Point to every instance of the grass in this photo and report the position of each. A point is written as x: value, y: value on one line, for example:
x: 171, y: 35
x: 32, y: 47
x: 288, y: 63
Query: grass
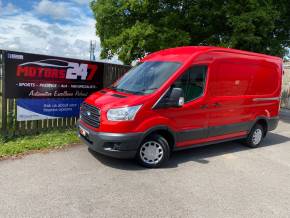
x: 26, y: 144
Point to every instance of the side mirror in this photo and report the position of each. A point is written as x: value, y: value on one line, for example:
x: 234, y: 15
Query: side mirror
x: 173, y: 98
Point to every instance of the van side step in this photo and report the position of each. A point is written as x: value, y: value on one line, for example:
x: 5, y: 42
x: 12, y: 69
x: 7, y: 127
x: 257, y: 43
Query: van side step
x: 208, y: 143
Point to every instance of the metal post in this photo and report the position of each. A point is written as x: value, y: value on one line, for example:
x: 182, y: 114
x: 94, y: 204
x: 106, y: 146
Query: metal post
x: 4, y: 102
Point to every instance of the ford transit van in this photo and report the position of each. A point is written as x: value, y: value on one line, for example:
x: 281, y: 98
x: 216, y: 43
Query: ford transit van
x: 182, y: 98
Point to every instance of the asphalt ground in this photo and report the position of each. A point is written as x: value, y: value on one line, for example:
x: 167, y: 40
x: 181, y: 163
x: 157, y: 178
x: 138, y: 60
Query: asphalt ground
x: 222, y: 180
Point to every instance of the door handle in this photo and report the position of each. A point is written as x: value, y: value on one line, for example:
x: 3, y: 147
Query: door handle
x: 216, y: 104
x: 204, y: 106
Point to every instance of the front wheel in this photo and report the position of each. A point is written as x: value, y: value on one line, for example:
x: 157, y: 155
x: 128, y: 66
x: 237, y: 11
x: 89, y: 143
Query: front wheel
x: 153, y: 151
x: 255, y: 137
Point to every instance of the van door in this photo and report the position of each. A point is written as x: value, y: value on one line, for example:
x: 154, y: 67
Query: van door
x: 229, y: 105
x: 191, y: 120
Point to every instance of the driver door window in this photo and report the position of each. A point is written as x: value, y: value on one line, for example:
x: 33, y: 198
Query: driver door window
x: 192, y: 82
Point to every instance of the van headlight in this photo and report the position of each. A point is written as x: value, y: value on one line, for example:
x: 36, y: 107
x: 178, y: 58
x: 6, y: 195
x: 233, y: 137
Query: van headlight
x: 124, y: 113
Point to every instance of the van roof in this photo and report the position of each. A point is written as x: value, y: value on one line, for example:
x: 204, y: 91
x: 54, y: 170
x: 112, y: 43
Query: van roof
x: 181, y: 54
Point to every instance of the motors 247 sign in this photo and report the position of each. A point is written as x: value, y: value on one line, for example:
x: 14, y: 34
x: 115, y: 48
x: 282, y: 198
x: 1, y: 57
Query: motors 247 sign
x: 39, y: 76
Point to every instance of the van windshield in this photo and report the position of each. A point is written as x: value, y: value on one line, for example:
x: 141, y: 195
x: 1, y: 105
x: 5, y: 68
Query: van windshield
x: 146, y: 77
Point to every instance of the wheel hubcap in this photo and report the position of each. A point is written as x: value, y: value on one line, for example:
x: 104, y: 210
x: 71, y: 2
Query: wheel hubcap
x: 257, y: 136
x: 151, y: 152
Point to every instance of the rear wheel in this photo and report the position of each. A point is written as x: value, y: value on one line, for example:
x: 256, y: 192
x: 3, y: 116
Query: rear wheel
x: 256, y: 136
x: 153, y: 152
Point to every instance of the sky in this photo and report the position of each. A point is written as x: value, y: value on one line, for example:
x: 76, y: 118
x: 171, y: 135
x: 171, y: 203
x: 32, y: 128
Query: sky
x: 51, y: 27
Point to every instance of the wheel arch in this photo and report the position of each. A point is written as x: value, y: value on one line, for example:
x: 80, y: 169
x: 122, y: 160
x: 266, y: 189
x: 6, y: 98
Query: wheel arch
x: 164, y: 131
x: 263, y: 121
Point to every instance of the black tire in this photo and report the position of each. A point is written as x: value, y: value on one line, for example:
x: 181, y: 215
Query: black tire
x: 250, y: 141
x: 162, y: 144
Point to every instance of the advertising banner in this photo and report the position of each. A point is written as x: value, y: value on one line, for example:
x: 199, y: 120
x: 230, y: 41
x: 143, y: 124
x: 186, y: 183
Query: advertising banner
x: 40, y: 109
x: 40, y: 76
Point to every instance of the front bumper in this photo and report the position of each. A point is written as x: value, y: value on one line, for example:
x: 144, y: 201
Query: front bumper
x: 111, y: 144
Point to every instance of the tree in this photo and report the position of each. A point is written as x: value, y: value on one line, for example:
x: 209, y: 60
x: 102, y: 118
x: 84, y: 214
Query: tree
x: 133, y: 28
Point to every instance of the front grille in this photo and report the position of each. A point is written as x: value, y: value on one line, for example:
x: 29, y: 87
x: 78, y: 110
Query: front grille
x: 90, y: 115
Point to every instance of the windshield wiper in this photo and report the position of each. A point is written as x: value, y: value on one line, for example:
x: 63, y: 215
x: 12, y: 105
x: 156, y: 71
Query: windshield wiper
x: 139, y: 92
x: 142, y: 91
x: 120, y: 90
x: 123, y: 90
x: 151, y: 89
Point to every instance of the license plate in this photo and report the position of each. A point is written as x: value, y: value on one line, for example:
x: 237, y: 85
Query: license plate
x: 84, y: 132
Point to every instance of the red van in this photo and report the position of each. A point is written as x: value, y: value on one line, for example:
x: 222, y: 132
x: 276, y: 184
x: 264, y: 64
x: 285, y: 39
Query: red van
x: 183, y: 98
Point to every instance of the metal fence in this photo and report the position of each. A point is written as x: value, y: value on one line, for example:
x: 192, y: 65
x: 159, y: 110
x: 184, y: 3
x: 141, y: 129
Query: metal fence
x: 8, y: 108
